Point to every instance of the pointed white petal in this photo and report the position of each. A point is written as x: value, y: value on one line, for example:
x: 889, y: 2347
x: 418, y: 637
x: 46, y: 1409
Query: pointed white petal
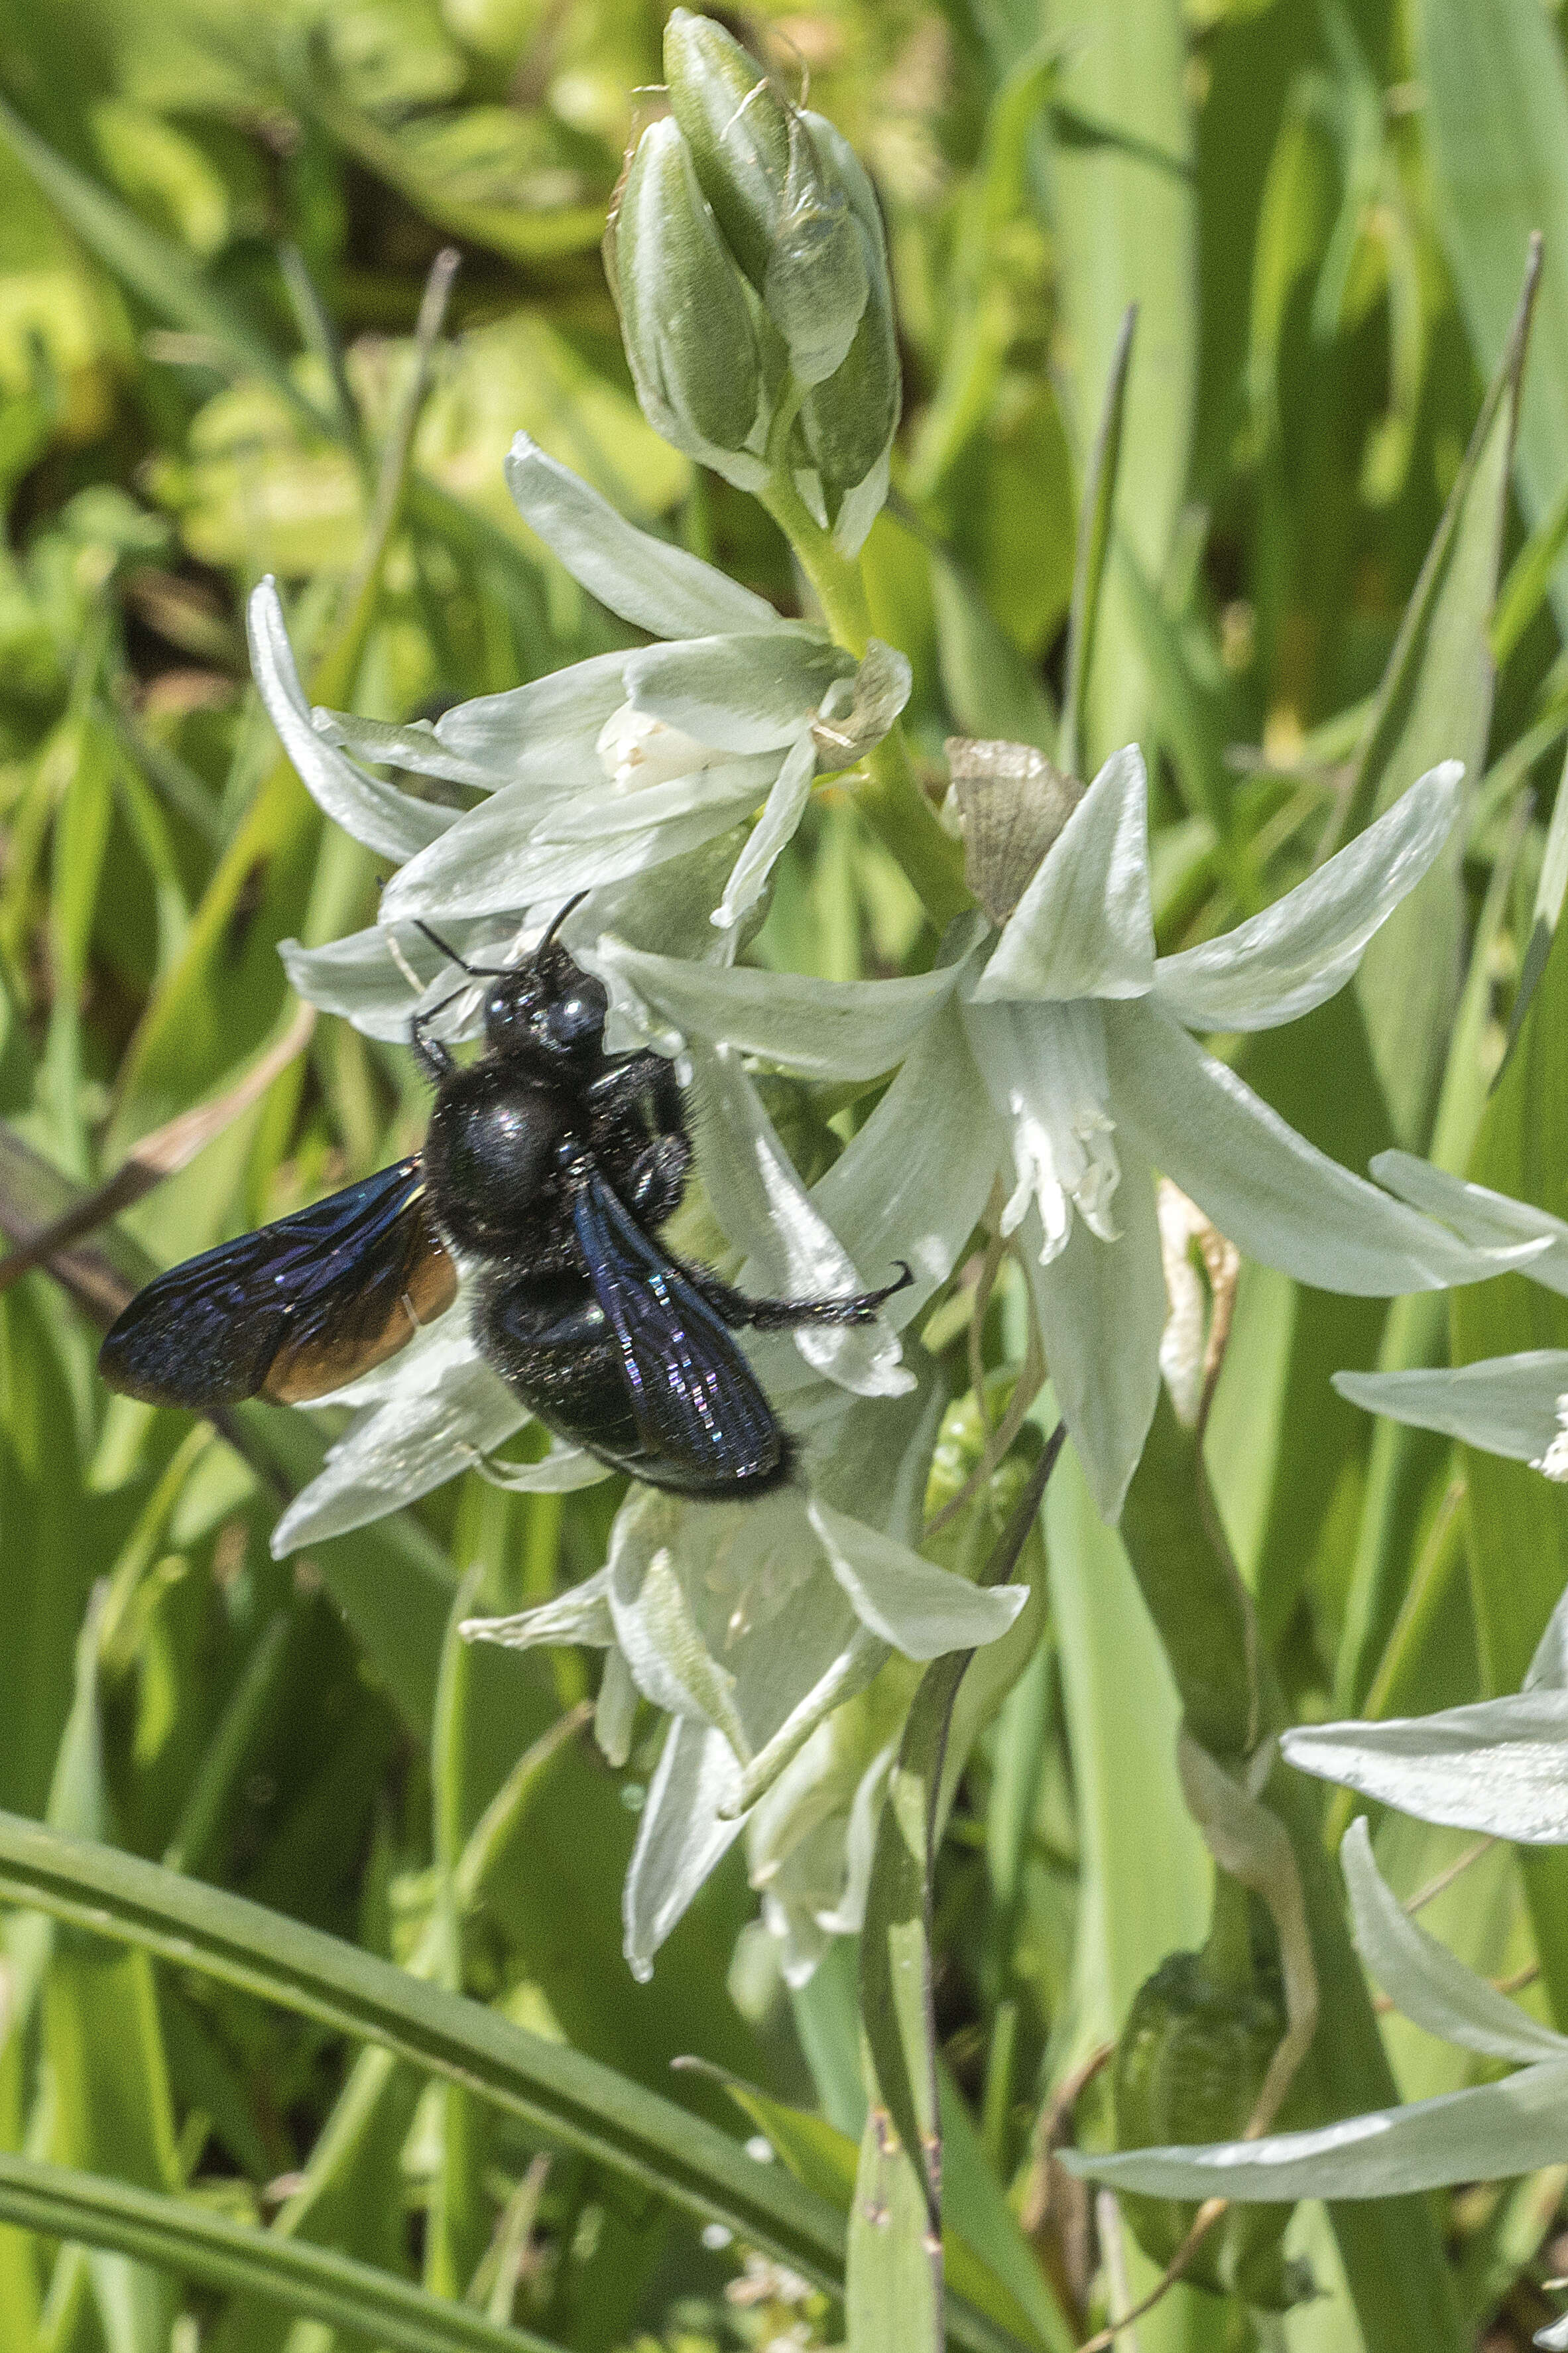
x: 1489, y: 2134
x: 1101, y: 1307
x: 1267, y: 1188
x: 919, y: 1609
x: 1085, y: 926
x: 728, y: 789
x: 491, y: 861
x: 848, y: 1916
x: 656, y: 586
x: 359, y: 977
x: 401, y: 1450
x: 544, y: 734
x: 1422, y: 1977
x: 792, y: 1251
x: 1279, y: 965
x: 786, y: 807
x: 385, y: 821
x: 415, y: 747
x: 848, y: 1673
x: 681, y: 1838
x: 1499, y: 1765
x: 1515, y: 1406
x: 1488, y: 1221
x: 742, y: 693
x: 914, y: 1181
x: 1549, y: 1668
x: 820, y: 1029
x: 581, y: 1614
x: 1044, y: 1067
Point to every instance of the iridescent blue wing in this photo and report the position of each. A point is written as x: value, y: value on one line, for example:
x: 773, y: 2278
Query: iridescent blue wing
x: 293, y: 1310
x: 696, y: 1400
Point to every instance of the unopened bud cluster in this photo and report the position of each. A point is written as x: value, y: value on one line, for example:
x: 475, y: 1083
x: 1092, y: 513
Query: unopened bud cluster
x: 749, y: 267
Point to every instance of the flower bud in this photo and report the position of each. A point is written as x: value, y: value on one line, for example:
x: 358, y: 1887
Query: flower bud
x: 776, y: 190
x: 844, y: 438
x: 687, y: 319
x: 1189, y: 2067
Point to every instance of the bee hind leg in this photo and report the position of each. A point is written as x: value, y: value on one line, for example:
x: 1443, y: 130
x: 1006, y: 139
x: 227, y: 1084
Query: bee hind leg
x: 737, y: 1308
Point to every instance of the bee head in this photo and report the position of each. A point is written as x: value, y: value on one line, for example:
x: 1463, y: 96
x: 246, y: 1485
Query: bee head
x: 547, y: 1008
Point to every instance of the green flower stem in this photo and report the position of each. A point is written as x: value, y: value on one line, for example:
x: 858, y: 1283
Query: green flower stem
x: 1391, y: 2248
x: 888, y: 791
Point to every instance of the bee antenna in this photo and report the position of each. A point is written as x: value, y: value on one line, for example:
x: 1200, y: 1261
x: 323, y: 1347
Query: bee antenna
x: 475, y: 970
x: 569, y: 909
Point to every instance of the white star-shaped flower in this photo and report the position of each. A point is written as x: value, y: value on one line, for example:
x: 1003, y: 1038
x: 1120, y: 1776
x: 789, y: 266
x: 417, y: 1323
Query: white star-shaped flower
x: 1057, y: 1053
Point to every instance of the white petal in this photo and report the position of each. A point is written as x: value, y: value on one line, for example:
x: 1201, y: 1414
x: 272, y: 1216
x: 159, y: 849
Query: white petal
x: 387, y: 821
x: 359, y: 977
x: 1488, y: 1221
x: 1085, y: 926
x: 1548, y: 1670
x: 819, y: 1028
x: 581, y: 1614
x: 1267, y: 1188
x: 792, y: 1251
x: 1101, y: 1307
x: 1513, y: 1406
x: 919, y: 1609
x: 1279, y: 965
x: 491, y: 861
x: 1044, y: 1067
x: 1499, y: 1765
x: 542, y: 734
x: 681, y: 1838
x: 635, y: 749
x: 1424, y: 1980
x: 913, y: 1182
x: 726, y: 790
x: 742, y: 693
x: 415, y: 747
x: 848, y: 1915
x: 1489, y: 2134
x: 656, y: 586
x: 399, y: 1451
x: 784, y: 808
x: 664, y: 1647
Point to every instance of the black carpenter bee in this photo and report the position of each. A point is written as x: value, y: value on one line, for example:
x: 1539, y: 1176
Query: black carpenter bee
x: 548, y: 1165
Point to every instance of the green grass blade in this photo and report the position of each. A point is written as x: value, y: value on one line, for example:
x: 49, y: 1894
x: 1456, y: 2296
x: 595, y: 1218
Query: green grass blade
x: 567, y: 2097
x: 183, y: 2237
x: 570, y: 2100
x: 1436, y: 704
x: 1093, y: 543
x: 157, y: 269
x: 1496, y: 117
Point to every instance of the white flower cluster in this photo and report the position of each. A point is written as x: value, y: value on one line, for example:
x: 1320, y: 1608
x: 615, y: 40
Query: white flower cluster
x: 1047, y: 1060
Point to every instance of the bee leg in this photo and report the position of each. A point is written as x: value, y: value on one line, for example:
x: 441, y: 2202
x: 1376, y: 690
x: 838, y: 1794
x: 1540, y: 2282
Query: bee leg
x: 430, y: 1054
x: 737, y: 1308
x: 658, y: 1179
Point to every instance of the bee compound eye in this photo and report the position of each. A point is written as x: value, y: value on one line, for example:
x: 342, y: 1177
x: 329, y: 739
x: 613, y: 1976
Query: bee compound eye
x: 576, y: 1019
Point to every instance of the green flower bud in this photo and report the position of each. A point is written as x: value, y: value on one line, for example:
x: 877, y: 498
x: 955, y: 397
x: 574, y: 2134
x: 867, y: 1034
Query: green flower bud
x: 1189, y: 2066
x: 776, y: 191
x: 843, y: 439
x: 687, y: 319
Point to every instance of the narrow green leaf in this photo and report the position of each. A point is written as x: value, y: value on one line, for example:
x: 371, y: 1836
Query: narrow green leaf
x: 157, y: 269
x: 569, y: 2099
x: 1392, y: 2256
x: 1435, y: 704
x: 1518, y: 1520
x: 895, y: 2224
x: 1093, y: 544
x: 1496, y: 119
x: 196, y: 2243
x: 1123, y: 221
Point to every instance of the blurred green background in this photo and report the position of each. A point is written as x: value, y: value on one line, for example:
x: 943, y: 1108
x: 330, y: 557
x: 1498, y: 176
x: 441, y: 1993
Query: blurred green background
x: 217, y: 221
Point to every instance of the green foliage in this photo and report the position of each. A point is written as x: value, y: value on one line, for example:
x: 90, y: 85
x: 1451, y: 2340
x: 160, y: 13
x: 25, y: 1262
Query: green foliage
x: 321, y: 2034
